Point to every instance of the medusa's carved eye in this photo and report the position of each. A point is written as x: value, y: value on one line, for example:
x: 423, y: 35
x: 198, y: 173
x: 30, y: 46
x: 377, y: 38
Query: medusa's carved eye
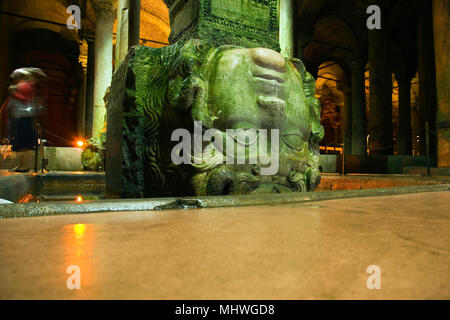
x: 201, y: 46
x: 294, y: 141
x: 198, y: 46
x: 296, y: 62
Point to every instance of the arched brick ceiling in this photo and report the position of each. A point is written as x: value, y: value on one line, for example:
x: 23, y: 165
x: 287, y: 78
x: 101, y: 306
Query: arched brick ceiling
x: 331, y: 70
x: 155, y: 23
x: 334, y: 30
x: 333, y: 40
x: 52, y: 10
x: 156, y: 8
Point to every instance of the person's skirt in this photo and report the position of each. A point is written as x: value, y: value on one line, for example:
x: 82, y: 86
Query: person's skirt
x: 22, y: 133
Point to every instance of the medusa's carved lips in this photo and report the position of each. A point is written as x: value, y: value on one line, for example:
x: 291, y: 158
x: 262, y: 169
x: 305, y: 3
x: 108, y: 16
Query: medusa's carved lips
x: 274, y: 105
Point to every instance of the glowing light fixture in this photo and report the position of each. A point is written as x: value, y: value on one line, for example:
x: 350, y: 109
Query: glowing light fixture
x: 80, y: 143
x: 79, y: 198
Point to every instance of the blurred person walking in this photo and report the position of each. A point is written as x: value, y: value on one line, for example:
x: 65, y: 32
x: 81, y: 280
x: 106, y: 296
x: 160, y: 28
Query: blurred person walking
x: 23, y: 106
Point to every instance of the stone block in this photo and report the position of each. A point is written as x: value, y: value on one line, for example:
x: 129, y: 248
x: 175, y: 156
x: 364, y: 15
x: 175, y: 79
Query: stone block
x: 248, y: 23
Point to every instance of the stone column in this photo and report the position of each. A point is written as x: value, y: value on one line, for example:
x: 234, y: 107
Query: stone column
x: 303, y: 39
x: 347, y: 120
x: 380, y: 108
x: 82, y: 105
x: 404, y: 131
x: 427, y: 78
x: 358, y: 106
x: 134, y: 22
x: 122, y: 32
x: 287, y: 28
x: 441, y: 9
x: 90, y: 78
x: 105, y: 13
x: 346, y: 116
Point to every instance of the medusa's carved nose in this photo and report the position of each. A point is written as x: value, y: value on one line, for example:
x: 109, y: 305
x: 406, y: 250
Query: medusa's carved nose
x: 268, y: 59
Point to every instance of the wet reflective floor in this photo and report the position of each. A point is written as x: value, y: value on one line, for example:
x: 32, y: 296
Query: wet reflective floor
x: 316, y: 250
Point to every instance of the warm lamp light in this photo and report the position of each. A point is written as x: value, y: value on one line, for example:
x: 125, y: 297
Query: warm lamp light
x: 80, y: 143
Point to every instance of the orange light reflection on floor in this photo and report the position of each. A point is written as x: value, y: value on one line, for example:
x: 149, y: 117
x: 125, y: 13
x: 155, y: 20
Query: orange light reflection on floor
x: 78, y: 247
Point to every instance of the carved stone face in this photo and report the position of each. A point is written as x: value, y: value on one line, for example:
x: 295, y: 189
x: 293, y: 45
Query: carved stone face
x: 260, y: 89
x: 224, y: 88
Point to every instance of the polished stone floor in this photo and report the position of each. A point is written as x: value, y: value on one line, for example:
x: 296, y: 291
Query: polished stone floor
x: 316, y: 250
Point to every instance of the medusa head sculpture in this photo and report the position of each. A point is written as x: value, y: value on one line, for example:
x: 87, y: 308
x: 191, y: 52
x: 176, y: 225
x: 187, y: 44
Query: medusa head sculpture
x: 224, y: 89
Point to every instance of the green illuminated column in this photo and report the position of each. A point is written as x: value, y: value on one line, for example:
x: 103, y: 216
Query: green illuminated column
x: 287, y: 28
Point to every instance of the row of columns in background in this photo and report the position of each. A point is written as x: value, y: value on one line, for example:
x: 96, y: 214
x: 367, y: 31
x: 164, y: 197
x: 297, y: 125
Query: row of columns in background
x: 380, y: 130
x: 380, y: 138
x: 100, y: 54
